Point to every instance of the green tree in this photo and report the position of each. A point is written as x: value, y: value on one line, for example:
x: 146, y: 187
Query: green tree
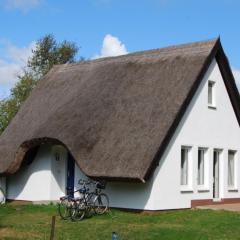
x: 8, y: 109
x: 46, y: 54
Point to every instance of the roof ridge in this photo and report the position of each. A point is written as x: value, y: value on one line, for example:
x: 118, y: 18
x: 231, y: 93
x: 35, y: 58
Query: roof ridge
x: 137, y: 53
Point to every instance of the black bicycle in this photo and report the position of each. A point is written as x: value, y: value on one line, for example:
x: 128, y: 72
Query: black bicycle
x: 101, y: 200
x: 65, y: 205
x: 95, y: 201
x: 77, y: 208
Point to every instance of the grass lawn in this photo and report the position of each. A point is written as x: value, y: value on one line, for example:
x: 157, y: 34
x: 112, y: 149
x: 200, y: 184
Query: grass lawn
x: 33, y: 222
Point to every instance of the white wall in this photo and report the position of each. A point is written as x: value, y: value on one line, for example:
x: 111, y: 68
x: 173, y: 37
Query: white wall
x: 122, y: 195
x: 201, y: 127
x: 32, y: 182
x: 2, y: 188
x: 58, y: 172
x: 43, y: 180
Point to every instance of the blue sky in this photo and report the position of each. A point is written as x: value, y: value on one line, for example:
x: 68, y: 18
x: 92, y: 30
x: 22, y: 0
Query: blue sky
x: 126, y: 26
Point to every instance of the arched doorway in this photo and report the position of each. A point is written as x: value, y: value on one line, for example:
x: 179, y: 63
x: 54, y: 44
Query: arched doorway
x: 47, y: 172
x: 40, y: 177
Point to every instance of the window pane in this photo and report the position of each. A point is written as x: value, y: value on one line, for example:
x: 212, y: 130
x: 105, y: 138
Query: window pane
x: 210, y: 93
x: 184, y: 166
x: 231, y: 155
x: 201, y: 153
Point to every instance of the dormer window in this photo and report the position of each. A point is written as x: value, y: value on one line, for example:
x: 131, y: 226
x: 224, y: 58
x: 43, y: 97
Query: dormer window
x: 211, y: 94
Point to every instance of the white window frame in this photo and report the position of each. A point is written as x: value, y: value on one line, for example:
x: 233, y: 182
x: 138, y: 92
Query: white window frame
x: 232, y: 184
x: 212, y: 102
x: 201, y: 166
x: 203, y: 186
x: 220, y: 155
x: 187, y: 187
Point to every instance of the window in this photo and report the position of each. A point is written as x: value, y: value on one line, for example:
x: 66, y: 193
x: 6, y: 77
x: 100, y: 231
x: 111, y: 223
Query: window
x: 201, y: 166
x: 231, y: 168
x: 184, y: 165
x: 211, y: 97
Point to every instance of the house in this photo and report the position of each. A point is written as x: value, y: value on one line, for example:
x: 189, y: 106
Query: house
x: 161, y: 126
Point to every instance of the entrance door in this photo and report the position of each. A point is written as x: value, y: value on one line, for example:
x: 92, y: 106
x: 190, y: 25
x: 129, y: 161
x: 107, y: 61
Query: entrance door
x: 216, y: 156
x: 70, y: 174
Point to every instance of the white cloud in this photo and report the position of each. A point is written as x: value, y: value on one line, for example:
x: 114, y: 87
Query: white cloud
x: 12, y: 62
x: 112, y: 46
x: 236, y: 74
x: 23, y: 5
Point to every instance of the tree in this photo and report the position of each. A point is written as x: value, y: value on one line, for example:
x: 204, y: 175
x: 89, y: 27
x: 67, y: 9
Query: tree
x: 9, y: 107
x: 46, y: 54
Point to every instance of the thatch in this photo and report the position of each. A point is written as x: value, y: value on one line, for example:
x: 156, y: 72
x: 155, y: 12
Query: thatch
x: 114, y: 115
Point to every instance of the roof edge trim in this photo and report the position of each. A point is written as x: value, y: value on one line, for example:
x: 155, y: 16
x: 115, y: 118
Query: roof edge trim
x: 180, y: 114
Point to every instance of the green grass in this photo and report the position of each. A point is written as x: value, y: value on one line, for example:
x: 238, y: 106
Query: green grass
x: 33, y: 222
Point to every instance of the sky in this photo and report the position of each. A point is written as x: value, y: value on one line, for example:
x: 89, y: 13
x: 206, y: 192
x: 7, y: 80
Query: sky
x: 113, y: 27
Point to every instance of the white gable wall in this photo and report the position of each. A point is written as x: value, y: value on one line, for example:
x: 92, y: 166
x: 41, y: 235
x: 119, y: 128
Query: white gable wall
x: 200, y: 127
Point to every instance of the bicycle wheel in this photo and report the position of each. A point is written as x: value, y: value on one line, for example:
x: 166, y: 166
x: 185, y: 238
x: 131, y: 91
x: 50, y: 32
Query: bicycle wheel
x: 91, y: 198
x: 89, y: 210
x: 101, y: 204
x: 78, y: 210
x: 64, y: 208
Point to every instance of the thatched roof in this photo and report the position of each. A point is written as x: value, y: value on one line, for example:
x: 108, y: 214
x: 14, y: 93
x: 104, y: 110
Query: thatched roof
x: 115, y: 115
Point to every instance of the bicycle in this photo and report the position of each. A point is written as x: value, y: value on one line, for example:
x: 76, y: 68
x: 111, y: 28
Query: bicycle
x: 76, y: 208
x: 101, y: 200
x: 82, y: 205
x: 96, y: 200
x: 66, y: 204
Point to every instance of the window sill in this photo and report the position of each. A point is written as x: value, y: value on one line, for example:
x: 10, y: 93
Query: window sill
x: 212, y: 107
x: 186, y: 189
x: 232, y: 189
x: 203, y: 189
